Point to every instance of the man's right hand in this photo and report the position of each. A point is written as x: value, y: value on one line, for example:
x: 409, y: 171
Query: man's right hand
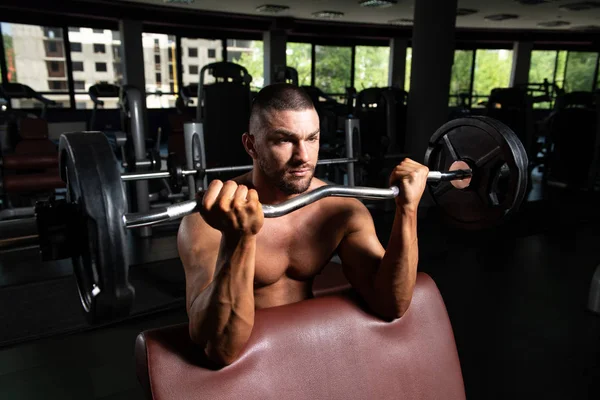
x: 232, y: 209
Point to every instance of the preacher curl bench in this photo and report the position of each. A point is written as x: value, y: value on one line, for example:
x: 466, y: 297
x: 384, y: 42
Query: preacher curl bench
x: 328, y: 347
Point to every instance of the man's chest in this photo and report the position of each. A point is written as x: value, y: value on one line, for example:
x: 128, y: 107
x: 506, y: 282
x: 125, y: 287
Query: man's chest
x: 295, y: 247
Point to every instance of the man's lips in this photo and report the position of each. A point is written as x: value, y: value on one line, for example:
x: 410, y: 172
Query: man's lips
x: 300, y: 171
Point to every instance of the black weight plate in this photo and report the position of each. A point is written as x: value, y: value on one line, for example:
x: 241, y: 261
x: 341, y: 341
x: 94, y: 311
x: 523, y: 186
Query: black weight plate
x: 100, y: 261
x: 499, y: 163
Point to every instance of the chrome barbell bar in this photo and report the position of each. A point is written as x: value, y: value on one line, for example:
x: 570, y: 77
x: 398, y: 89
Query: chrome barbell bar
x: 136, y: 220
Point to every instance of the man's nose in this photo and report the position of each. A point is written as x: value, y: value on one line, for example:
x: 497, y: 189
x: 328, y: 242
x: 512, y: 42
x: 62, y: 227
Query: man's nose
x: 301, y: 152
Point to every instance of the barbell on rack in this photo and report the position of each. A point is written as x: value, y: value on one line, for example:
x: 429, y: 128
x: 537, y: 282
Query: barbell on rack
x: 480, y: 157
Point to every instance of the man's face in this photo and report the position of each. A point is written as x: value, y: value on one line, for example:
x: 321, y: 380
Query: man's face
x: 287, y: 148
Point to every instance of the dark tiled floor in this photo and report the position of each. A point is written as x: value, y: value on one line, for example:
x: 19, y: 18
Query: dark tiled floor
x: 96, y: 364
x: 516, y: 297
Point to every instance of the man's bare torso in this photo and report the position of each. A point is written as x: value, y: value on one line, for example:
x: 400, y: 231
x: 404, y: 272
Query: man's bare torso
x: 291, y: 250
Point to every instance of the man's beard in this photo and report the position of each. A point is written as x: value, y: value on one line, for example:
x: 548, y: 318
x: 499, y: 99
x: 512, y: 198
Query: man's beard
x: 287, y: 183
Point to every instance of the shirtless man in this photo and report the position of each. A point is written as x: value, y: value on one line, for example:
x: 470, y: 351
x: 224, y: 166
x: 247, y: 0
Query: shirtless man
x: 236, y: 261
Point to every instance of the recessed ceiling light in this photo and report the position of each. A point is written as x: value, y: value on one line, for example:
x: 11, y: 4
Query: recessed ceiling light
x: 401, y: 21
x: 553, y: 24
x: 581, y: 6
x: 501, y: 17
x: 328, y: 14
x: 466, y: 11
x: 271, y: 8
x: 377, y: 3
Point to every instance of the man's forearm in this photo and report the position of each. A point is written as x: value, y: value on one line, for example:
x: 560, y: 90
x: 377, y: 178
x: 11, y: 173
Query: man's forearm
x: 224, y: 322
x: 395, y: 278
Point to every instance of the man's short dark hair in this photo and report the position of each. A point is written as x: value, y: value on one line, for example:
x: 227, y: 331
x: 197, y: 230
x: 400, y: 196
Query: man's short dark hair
x: 279, y: 97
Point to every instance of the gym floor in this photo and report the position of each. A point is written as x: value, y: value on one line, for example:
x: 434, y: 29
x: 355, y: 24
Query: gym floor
x: 516, y: 297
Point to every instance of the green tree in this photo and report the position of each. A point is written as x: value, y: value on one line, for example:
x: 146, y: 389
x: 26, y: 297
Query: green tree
x: 561, y: 64
x: 332, y: 68
x: 371, y: 66
x: 579, y: 71
x: 253, y: 61
x: 492, y: 70
x: 299, y: 57
x: 460, y: 79
x: 543, y: 64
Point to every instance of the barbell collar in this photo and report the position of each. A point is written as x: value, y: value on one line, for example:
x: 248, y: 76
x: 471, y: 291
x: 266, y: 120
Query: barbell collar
x: 442, y: 176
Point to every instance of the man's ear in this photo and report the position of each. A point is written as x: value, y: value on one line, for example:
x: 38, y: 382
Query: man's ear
x: 248, y: 142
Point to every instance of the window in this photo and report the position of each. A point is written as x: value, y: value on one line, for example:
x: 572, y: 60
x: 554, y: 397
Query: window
x: 158, y: 44
x: 249, y: 54
x: 79, y: 85
x: 54, y: 48
x: 53, y: 33
x: 492, y: 70
x: 407, y: 67
x: 542, y: 67
x: 99, y: 48
x: 75, y: 47
x: 298, y: 56
x: 116, y: 49
x: 460, y: 79
x: 56, y: 69
x: 171, y: 56
x: 579, y: 71
x: 371, y: 66
x: 101, y: 67
x: 332, y: 68
x: 172, y: 87
x: 108, y: 42
x: 77, y: 66
x: 212, y: 53
x: 192, y: 52
x: 21, y: 60
x: 203, y: 46
x: 170, y: 71
x: 57, y: 85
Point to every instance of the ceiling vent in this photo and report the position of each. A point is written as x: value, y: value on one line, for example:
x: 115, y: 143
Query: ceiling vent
x: 531, y: 2
x: 178, y: 1
x: 586, y: 28
x: 377, y: 3
x: 461, y: 12
x: 328, y: 14
x: 554, y: 24
x: 401, y: 21
x: 501, y: 17
x: 581, y: 6
x: 271, y: 8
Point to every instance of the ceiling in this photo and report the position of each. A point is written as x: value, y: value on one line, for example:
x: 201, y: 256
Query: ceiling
x: 529, y: 16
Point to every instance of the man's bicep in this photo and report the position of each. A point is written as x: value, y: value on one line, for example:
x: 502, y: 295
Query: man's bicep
x: 361, y: 252
x: 198, y: 246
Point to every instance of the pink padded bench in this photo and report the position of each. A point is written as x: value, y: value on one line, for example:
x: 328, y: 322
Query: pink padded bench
x: 323, y: 348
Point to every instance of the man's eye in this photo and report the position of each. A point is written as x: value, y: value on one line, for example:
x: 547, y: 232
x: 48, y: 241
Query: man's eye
x: 313, y: 138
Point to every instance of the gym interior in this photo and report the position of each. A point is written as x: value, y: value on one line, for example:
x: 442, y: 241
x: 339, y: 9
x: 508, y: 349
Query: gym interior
x: 120, y: 112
